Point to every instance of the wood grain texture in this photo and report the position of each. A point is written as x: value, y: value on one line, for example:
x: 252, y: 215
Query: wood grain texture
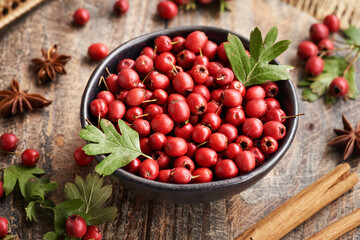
x: 54, y: 130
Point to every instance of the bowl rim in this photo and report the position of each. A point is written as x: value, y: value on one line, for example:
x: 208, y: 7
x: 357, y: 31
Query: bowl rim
x: 205, y: 187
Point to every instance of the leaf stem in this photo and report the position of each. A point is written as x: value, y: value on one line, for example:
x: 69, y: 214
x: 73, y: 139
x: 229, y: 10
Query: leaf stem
x: 143, y: 154
x: 351, y: 63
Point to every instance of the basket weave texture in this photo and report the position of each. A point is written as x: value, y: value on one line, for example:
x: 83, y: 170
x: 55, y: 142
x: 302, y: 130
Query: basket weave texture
x: 348, y: 11
x: 12, y: 9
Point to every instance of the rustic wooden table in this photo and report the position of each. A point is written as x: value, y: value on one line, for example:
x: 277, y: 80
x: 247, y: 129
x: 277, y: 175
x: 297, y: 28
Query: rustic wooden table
x: 54, y: 130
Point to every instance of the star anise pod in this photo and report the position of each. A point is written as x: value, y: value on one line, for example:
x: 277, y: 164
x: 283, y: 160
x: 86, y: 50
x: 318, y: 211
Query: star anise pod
x: 14, y: 100
x: 50, y: 65
x: 347, y: 138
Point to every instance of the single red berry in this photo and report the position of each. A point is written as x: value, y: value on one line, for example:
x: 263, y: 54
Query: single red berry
x: 133, y: 113
x: 81, y: 157
x: 142, y: 127
x: 211, y: 120
x: 206, y: 157
x: 314, y: 66
x: 252, y: 127
x: 135, y: 97
x: 133, y: 166
x: 326, y: 45
x: 81, y: 16
x: 202, y: 90
x: 318, y: 31
x: 258, y: 154
x: 107, y: 96
x: 125, y: 64
x: 232, y: 150
x: 306, y: 49
x: 332, y: 22
x: 235, y: 116
x: 200, y: 133
x: 276, y: 114
x: 92, y: 233
x: 8, y: 142
x: 192, y: 148
x: 339, y: 87
x: 164, y: 176
x: 210, y: 50
x: 255, y: 108
x: 75, y: 226
x: 229, y: 130
x: 167, y: 9
x: 274, y: 129
x: 244, y: 142
x: 215, y: 95
x: 186, y: 162
x: 148, y: 51
x: 218, y: 142
x: 201, y: 60
x: 245, y: 161
x: 178, y: 44
x: 196, y: 41
x: 185, y: 59
x: 269, y: 144
x: 175, y: 97
x: 272, y: 103
x: 116, y: 111
x: 157, y: 141
x: 144, y: 64
x: 162, y: 159
x: 145, y: 146
x: 214, y: 68
x: 163, y: 44
x: 121, y: 7
x: 165, y: 62
x: 152, y: 111
x: 1, y: 189
x: 179, y: 111
x: 224, y: 76
x: 214, y: 107
x: 180, y: 175
x: 184, y: 131
x: 221, y: 52
x: 98, y: 51
x: 112, y: 83
x: 161, y: 96
x: 4, y: 227
x: 199, y: 73
x: 226, y: 169
x: 149, y: 169
x: 202, y: 175
x: 255, y: 92
x: 162, y: 123
x: 237, y: 85
x: 30, y: 157
x: 98, y: 107
x: 157, y: 80
x: 271, y: 89
x: 231, y: 98
x: 197, y: 103
x: 176, y: 147
x: 128, y: 79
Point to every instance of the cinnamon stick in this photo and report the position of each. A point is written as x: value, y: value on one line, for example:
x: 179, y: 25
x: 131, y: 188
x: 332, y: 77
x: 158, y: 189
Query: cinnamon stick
x: 303, y: 205
x: 339, y: 228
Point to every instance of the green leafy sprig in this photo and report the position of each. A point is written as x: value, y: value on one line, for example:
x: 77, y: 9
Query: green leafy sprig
x: 122, y: 148
x: 257, y: 69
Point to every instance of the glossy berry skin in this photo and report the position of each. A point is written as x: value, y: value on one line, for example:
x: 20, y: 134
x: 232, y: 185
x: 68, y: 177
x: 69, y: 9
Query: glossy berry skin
x: 226, y: 169
x: 214, y: 68
x: 186, y: 162
x: 98, y: 51
x: 339, y: 87
x: 180, y: 175
x: 183, y: 82
x: 161, y: 96
x: 8, y: 142
x: 271, y: 89
x: 179, y: 111
x: 163, y: 44
x: 75, y: 226
x: 229, y: 130
x: 332, y: 22
x: 149, y: 169
x: 274, y: 129
x: 202, y: 175
x: 245, y: 161
x: 162, y: 159
x: 272, y: 103
x: 133, y: 166
x: 196, y: 41
x: 111, y: 82
x: 206, y: 157
x: 128, y: 79
x: 145, y: 146
x: 216, y: 95
x: 162, y: 123
x: 201, y: 60
x: 158, y: 81
x: 135, y: 97
x: 133, y: 113
x: 81, y: 157
x: 116, y: 111
x: 255, y: 92
x: 199, y: 73
x: 175, y: 97
x: 237, y: 85
x: 185, y: 59
x: 200, y: 133
x: 167, y: 9
x: 126, y: 64
x: 214, y: 107
x: 211, y: 120
x: 258, y: 154
x: 232, y: 150
x: 142, y: 127
x: 235, y: 116
x: 164, y: 62
x: 184, y: 131
x: 153, y: 110
x: 318, y: 31
x: 1, y: 189
x: 107, y: 96
x: 276, y: 114
x: 224, y: 76
x: 176, y: 147
x: 252, y: 127
x: 98, y: 107
x: 306, y: 49
x: 157, y: 141
x: 218, y: 142
x: 81, y: 17
x: 144, y: 64
x: 244, y: 142
x: 148, y: 51
x: 255, y: 108
x: 92, y: 233
x: 164, y: 176
x: 121, y: 7
x: 231, y: 98
x: 192, y: 148
x: 197, y: 103
x: 326, y: 45
x: 4, y: 227
x: 221, y: 53
x: 30, y: 157
x: 314, y: 66
x: 178, y: 44
x: 210, y: 50
x: 268, y: 144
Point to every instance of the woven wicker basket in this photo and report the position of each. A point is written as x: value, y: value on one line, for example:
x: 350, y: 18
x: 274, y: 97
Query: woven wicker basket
x: 12, y: 9
x: 347, y: 10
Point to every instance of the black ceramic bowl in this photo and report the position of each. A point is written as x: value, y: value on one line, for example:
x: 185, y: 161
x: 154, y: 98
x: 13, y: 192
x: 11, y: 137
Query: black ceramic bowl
x: 190, y: 193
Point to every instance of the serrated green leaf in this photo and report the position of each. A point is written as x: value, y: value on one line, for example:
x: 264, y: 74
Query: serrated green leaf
x: 352, y: 34
x: 31, y: 211
x: 264, y: 72
x: 63, y: 210
x: 271, y: 36
x: 19, y: 174
x: 350, y: 76
x: 274, y: 50
x: 255, y: 42
x: 122, y: 148
x: 50, y: 236
x: 94, y: 195
x: 308, y: 95
x: 39, y: 187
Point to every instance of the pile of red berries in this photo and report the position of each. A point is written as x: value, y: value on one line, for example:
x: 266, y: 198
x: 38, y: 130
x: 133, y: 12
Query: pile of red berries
x: 192, y: 115
x: 75, y: 227
x: 320, y: 46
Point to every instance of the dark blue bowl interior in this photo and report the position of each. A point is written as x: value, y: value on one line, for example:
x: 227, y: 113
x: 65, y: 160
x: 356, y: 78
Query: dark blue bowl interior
x: 190, y: 193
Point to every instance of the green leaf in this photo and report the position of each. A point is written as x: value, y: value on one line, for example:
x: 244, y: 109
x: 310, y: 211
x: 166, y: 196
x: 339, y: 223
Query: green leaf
x: 19, y: 174
x: 31, y: 211
x: 257, y: 70
x: 308, y: 95
x: 304, y: 83
x: 350, y: 76
x: 122, y: 148
x: 94, y: 195
x: 39, y: 187
x: 63, y: 210
x: 352, y: 35
x: 50, y: 236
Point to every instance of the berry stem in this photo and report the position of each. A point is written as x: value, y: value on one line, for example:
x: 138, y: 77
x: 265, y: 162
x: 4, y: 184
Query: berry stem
x: 88, y: 121
x: 201, y: 54
x: 201, y: 144
x: 218, y: 109
x: 172, y: 43
x: 351, y: 63
x: 143, y: 115
x: 150, y: 100
x: 147, y: 75
x: 173, y: 66
x: 108, y: 72
x: 102, y: 79
x: 293, y: 116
